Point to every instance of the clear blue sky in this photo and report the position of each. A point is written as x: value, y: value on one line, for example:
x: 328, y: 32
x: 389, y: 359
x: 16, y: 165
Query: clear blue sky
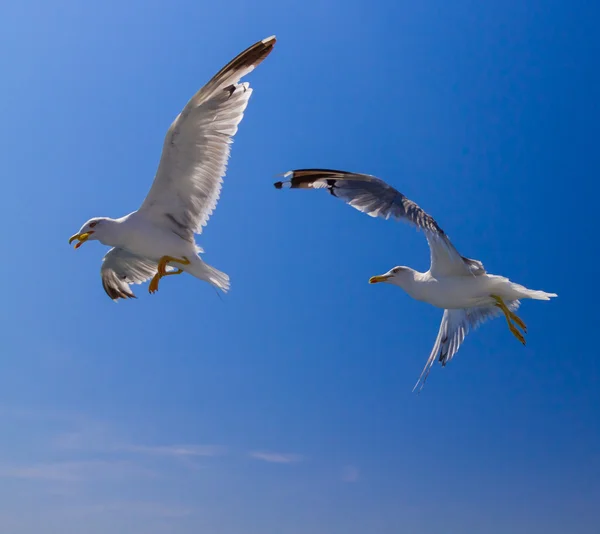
x: 286, y: 407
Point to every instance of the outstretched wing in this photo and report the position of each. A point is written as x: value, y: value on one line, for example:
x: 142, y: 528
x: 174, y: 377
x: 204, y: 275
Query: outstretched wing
x: 454, y: 327
x: 376, y: 198
x: 196, y: 148
x: 120, y: 269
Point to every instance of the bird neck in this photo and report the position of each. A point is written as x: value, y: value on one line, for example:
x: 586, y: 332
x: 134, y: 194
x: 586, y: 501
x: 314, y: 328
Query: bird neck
x: 410, y: 281
x: 110, y: 235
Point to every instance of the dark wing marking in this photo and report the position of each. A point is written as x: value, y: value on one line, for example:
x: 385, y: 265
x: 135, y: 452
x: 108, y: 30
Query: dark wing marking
x: 376, y: 198
x: 120, y: 269
x: 196, y: 148
x: 455, y: 326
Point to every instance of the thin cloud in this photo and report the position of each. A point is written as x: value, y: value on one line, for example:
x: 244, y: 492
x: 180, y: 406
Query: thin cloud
x: 94, y: 436
x: 276, y: 457
x: 90, y: 436
x: 97, y: 438
x: 176, y: 451
x: 50, y: 472
x: 74, y: 471
x: 15, y: 412
x: 135, y: 508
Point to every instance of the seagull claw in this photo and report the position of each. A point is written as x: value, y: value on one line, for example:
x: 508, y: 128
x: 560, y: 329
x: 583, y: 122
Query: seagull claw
x: 153, y: 287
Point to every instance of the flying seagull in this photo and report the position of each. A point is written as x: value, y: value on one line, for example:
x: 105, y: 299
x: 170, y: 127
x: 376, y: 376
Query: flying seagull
x: 158, y: 239
x: 460, y: 286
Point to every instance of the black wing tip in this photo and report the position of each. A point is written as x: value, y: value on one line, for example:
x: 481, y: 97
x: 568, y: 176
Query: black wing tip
x: 115, y: 293
x: 306, y: 178
x: 320, y: 171
x: 280, y: 184
x: 256, y: 54
x: 269, y: 41
x: 122, y: 295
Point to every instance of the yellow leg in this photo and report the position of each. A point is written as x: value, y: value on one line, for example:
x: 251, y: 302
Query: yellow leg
x: 169, y: 273
x: 509, y: 315
x: 162, y: 264
x: 518, y: 320
x: 500, y: 303
x: 162, y: 270
x: 516, y: 333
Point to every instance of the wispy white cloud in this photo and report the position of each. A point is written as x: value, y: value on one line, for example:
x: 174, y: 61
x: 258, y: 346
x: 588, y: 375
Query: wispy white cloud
x: 74, y: 471
x: 98, y: 438
x: 176, y: 451
x: 53, y: 472
x: 276, y: 457
x: 90, y: 436
x: 15, y: 412
x: 350, y: 473
x: 135, y: 508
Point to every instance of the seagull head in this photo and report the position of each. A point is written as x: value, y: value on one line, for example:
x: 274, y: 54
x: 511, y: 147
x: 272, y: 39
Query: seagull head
x: 399, y: 276
x: 90, y: 231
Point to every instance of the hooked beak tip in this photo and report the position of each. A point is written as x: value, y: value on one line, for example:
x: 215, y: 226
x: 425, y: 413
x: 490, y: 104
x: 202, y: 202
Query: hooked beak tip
x: 82, y: 238
x: 378, y: 279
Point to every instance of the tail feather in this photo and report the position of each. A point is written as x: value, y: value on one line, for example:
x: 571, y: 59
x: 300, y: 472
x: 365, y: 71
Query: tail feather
x: 218, y: 278
x: 206, y: 272
x: 531, y: 293
x: 541, y: 295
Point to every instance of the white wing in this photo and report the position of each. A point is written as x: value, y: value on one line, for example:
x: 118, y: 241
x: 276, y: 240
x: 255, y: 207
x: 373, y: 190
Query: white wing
x: 120, y: 269
x: 376, y: 198
x: 196, y: 148
x: 454, y: 327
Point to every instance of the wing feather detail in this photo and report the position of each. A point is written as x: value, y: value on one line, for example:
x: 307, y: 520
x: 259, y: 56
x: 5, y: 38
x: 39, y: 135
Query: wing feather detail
x: 120, y: 269
x: 455, y: 326
x: 376, y: 198
x: 196, y: 148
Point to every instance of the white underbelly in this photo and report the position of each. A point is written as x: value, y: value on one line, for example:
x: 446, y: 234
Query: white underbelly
x: 154, y: 243
x: 459, y: 292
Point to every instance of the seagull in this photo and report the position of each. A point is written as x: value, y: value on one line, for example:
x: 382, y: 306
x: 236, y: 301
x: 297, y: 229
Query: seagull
x: 460, y: 286
x: 157, y: 240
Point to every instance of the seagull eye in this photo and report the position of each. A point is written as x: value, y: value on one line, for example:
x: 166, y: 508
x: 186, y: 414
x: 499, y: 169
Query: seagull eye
x: 93, y: 224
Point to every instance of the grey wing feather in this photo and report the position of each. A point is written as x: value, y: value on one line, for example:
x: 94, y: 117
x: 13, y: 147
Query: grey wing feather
x: 120, y: 269
x: 376, y: 198
x: 197, y: 146
x: 455, y: 326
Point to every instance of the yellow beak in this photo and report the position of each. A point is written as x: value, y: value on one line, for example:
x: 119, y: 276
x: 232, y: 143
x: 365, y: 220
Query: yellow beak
x: 377, y: 279
x: 81, y: 238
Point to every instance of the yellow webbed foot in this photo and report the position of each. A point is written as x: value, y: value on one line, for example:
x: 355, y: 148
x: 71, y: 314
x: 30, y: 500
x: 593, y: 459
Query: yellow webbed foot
x: 169, y: 273
x: 162, y: 271
x: 153, y: 287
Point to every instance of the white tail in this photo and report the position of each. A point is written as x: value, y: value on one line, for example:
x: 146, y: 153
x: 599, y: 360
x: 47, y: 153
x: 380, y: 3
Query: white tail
x: 540, y: 295
x: 534, y: 294
x: 203, y: 271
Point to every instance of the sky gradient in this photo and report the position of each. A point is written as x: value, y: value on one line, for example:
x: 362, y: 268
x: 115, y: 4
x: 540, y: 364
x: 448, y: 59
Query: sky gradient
x: 285, y: 407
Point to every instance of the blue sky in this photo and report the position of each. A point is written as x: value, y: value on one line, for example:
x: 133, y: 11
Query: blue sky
x: 285, y: 407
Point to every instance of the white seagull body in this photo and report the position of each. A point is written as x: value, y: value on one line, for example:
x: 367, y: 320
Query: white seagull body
x: 158, y: 239
x: 460, y: 286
